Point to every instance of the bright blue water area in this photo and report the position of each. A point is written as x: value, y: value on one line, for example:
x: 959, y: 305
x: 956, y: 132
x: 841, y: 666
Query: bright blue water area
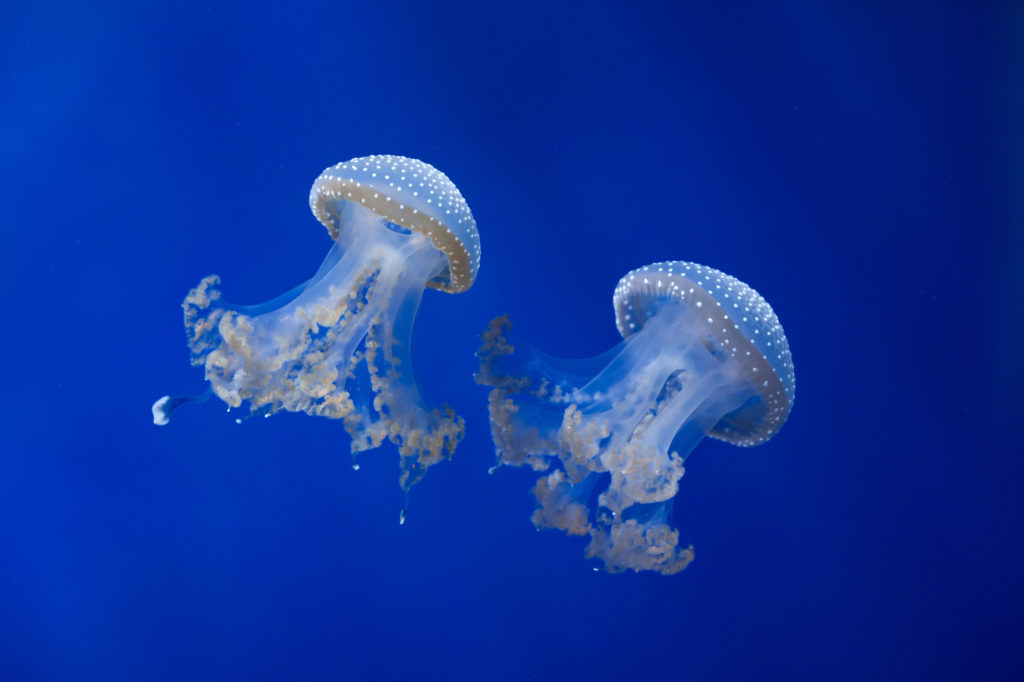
x: 859, y: 165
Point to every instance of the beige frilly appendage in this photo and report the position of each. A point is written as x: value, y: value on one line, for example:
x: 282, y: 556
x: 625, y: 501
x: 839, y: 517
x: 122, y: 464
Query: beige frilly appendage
x: 609, y: 438
x: 339, y: 347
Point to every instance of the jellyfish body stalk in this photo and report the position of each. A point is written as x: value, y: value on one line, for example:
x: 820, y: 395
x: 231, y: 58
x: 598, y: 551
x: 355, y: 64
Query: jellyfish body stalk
x: 338, y: 345
x: 423, y: 436
x: 611, y: 434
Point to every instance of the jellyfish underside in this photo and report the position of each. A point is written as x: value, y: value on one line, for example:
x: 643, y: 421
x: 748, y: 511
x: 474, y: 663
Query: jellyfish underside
x: 610, y: 434
x: 336, y: 346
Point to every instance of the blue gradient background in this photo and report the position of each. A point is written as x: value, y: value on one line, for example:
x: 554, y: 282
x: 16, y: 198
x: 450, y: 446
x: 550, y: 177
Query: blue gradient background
x: 859, y: 164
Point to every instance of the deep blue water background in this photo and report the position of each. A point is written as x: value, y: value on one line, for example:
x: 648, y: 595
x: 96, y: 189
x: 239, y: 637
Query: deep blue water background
x: 860, y: 164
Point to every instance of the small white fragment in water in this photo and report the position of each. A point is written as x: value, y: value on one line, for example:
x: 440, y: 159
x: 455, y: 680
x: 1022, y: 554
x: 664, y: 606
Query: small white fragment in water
x: 401, y: 518
x: 160, y: 416
x: 238, y: 421
x: 355, y: 467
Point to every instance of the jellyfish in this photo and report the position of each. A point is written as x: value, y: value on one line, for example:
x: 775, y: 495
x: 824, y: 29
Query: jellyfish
x: 703, y: 355
x: 339, y: 345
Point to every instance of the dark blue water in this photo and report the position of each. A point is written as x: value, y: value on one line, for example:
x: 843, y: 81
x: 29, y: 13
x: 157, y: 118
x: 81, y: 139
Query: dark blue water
x: 859, y: 166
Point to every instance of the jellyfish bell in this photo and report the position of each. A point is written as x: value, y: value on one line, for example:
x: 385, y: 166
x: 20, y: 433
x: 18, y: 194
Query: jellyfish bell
x: 339, y: 345
x: 703, y: 355
x: 410, y: 196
